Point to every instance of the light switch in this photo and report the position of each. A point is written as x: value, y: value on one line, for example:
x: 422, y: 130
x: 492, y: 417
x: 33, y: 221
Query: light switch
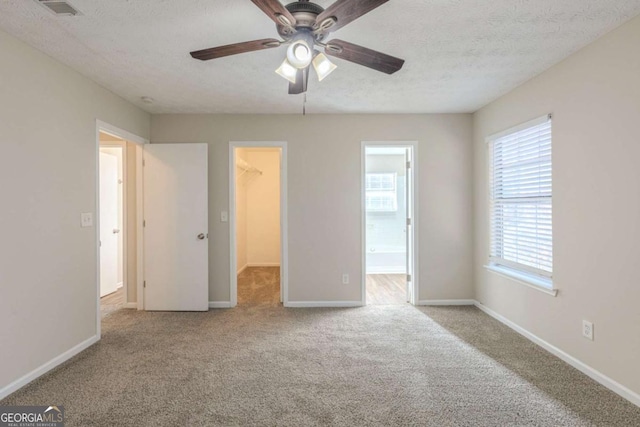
x: 224, y: 216
x: 86, y: 219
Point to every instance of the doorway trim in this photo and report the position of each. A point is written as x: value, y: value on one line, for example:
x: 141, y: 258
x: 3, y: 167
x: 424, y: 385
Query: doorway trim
x: 284, y: 241
x: 413, y: 214
x: 110, y: 129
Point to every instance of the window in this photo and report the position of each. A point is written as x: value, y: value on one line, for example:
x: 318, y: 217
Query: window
x: 380, y: 192
x: 521, y: 200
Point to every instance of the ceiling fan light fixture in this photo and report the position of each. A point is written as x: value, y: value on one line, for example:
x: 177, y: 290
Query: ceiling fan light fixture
x: 299, y: 54
x: 287, y: 71
x: 323, y: 66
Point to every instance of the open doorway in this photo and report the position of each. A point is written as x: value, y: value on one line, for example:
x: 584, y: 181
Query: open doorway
x: 117, y: 227
x: 258, y: 225
x: 111, y: 224
x: 388, y: 211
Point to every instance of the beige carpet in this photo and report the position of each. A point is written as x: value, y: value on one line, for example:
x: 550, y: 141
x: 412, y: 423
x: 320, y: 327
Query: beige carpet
x: 259, y: 285
x: 263, y: 365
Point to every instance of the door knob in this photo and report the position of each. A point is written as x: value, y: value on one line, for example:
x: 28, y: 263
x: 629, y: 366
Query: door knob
x: 116, y: 231
x: 201, y: 236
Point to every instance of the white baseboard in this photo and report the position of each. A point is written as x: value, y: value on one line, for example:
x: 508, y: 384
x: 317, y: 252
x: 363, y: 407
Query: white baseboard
x: 220, y: 304
x: 130, y: 305
x: 598, y: 376
x: 43, y: 369
x: 119, y: 285
x: 243, y: 268
x: 302, y: 304
x: 263, y: 264
x: 446, y: 302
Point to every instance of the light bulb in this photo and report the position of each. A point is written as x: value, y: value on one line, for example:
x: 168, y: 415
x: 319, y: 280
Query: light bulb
x: 302, y: 52
x: 299, y: 54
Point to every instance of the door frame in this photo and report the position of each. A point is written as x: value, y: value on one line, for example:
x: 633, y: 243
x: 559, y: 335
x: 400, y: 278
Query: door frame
x: 110, y: 129
x: 284, y: 242
x: 413, y: 213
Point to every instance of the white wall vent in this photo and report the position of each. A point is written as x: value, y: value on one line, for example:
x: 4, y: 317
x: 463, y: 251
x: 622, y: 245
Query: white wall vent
x: 61, y: 8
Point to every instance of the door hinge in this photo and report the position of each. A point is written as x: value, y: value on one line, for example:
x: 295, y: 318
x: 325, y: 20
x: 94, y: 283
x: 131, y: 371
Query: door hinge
x: 408, y: 165
x: 144, y: 222
x: 409, y: 221
x: 144, y: 162
x: 408, y: 277
x: 144, y: 284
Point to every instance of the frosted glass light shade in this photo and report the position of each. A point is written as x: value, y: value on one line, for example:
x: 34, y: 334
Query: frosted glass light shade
x: 323, y: 66
x: 287, y: 71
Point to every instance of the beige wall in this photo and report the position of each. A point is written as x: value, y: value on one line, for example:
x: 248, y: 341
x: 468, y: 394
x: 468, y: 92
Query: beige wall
x: 48, y: 263
x: 324, y: 156
x: 131, y: 227
x: 595, y: 98
x: 263, y: 208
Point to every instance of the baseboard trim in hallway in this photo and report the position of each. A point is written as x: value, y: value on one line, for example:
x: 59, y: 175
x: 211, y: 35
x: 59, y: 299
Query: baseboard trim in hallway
x: 335, y: 304
x: 594, y: 374
x: 442, y: 302
x: 43, y: 369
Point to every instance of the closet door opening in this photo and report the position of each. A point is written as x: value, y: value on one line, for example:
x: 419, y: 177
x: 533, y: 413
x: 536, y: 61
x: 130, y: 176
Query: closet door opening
x: 258, y: 264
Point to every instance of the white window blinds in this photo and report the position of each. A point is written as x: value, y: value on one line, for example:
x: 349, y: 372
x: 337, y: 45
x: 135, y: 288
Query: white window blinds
x: 380, y: 194
x: 521, y: 198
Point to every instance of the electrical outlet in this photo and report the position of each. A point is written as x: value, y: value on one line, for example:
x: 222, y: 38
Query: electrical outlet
x: 587, y: 330
x: 345, y: 279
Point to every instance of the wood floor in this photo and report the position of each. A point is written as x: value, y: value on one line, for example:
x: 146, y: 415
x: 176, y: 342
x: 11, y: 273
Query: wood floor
x: 383, y: 289
x: 112, y: 302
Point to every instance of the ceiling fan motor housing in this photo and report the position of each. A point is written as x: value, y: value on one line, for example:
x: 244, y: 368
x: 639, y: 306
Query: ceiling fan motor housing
x: 305, y: 13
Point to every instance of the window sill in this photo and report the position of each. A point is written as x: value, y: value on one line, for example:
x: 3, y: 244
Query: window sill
x: 541, y: 285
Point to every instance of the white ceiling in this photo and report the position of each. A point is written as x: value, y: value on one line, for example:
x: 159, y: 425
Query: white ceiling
x: 460, y: 54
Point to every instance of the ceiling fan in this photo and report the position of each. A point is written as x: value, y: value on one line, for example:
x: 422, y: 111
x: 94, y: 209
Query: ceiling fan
x: 304, y: 26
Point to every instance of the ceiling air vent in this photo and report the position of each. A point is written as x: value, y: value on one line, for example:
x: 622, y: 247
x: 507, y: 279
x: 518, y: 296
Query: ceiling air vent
x: 61, y: 8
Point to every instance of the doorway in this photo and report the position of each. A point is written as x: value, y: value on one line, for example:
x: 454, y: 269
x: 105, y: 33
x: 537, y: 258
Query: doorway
x: 111, y: 213
x: 388, y: 198
x: 258, y: 223
x: 118, y: 219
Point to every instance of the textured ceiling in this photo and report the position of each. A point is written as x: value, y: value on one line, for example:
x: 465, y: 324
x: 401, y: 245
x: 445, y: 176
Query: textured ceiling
x: 460, y: 54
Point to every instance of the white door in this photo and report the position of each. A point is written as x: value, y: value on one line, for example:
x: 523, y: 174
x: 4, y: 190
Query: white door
x: 176, y: 247
x: 409, y: 210
x: 108, y: 223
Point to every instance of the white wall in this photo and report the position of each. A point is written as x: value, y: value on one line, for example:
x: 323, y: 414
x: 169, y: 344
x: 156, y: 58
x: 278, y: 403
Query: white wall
x: 263, y: 208
x: 595, y: 98
x: 48, y: 263
x: 324, y: 153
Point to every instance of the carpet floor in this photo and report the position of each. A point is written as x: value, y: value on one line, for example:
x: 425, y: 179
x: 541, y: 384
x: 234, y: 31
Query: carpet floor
x: 259, y: 285
x: 263, y: 365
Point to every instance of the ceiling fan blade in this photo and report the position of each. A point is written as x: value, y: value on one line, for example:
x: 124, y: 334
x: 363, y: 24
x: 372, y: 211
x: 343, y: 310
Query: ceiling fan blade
x: 361, y: 55
x: 346, y: 11
x: 276, y: 11
x: 234, y: 49
x: 300, y: 86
